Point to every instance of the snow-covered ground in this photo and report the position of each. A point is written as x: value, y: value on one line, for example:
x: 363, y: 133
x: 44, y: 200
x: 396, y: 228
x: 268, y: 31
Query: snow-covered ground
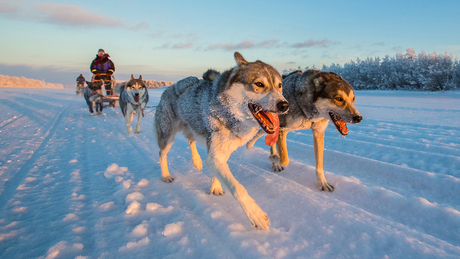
x: 76, y: 186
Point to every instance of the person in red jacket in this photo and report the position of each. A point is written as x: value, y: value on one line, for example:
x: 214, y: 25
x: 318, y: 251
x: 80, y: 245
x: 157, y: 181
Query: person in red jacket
x: 103, y: 68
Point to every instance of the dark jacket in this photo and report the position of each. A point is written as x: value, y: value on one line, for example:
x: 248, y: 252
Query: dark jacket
x: 102, y: 65
x: 80, y: 79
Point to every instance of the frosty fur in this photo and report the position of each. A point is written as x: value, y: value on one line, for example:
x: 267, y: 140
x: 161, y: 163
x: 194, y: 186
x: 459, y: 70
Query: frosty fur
x: 128, y: 104
x: 214, y: 111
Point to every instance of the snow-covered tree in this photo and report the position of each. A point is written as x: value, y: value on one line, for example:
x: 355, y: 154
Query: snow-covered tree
x: 409, y: 71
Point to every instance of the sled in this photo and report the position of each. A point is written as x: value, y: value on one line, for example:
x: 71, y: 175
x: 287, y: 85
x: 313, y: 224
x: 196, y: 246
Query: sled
x: 108, y: 95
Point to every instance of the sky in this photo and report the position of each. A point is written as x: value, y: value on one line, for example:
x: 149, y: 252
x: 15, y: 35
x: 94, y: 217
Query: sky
x: 56, y: 41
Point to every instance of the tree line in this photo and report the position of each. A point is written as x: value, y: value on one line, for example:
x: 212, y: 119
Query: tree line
x: 410, y: 71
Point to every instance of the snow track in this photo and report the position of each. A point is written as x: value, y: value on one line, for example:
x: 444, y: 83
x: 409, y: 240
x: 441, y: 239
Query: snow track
x: 77, y: 186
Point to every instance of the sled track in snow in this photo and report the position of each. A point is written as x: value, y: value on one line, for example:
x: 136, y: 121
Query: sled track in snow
x: 14, y: 183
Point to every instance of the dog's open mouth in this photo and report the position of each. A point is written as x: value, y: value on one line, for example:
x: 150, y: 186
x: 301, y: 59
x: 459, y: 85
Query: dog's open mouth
x: 268, y: 121
x: 136, y: 99
x: 340, y: 124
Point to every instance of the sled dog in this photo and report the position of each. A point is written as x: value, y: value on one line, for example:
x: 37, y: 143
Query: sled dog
x: 222, y: 111
x: 93, y: 96
x: 315, y: 98
x: 133, y: 99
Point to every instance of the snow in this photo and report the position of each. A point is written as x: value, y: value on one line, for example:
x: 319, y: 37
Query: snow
x: 78, y: 186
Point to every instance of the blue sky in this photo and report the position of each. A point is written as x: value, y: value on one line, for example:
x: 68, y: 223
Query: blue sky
x: 169, y: 40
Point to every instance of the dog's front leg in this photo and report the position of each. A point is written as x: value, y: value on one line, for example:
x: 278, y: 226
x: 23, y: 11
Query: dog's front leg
x: 281, y: 160
x: 318, y: 129
x: 128, y: 119
x: 251, y: 143
x: 196, y: 158
x: 90, y: 107
x: 98, y: 108
x: 139, y: 118
x: 217, y: 164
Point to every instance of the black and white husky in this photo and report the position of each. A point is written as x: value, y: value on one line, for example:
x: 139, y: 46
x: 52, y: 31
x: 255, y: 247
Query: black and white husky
x: 133, y: 98
x: 93, y: 96
x: 222, y: 111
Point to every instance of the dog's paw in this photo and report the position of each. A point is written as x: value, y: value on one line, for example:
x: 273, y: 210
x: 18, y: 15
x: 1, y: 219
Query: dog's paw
x: 327, y: 187
x: 167, y: 179
x: 92, y: 114
x: 277, y: 168
x: 99, y: 113
x: 217, y: 191
x: 274, y: 158
x: 249, y: 145
x: 256, y: 215
x: 138, y: 131
x: 198, y: 164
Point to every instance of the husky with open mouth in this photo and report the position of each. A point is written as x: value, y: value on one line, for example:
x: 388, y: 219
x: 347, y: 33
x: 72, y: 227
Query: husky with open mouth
x: 315, y: 98
x: 223, y: 112
x: 133, y: 99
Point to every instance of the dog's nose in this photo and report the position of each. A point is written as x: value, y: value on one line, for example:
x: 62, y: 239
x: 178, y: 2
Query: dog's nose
x: 282, y: 106
x: 357, y: 118
x: 136, y: 94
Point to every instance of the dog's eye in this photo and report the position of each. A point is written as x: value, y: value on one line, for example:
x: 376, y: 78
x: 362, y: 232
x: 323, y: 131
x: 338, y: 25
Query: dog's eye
x: 280, y: 85
x: 339, y: 99
x: 259, y: 84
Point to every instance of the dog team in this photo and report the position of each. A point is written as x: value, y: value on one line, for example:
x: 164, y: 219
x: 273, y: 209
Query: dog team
x: 224, y: 111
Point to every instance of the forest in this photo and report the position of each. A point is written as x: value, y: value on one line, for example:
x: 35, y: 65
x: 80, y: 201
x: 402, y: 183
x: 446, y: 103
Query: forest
x: 410, y: 71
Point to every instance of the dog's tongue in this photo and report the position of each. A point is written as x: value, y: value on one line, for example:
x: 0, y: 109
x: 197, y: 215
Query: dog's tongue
x: 136, y: 99
x: 271, y: 139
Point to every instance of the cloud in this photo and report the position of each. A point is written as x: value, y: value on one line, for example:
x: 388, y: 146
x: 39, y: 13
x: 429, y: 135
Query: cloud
x: 268, y: 43
x: 246, y: 44
x: 157, y: 34
x: 73, y: 15
x: 325, y: 43
x: 9, y: 7
x: 187, y: 45
x: 140, y: 26
x: 65, y: 15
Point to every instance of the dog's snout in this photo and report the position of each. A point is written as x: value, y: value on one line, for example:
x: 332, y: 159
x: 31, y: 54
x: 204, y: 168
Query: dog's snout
x: 282, y: 106
x: 136, y: 94
x: 357, y: 119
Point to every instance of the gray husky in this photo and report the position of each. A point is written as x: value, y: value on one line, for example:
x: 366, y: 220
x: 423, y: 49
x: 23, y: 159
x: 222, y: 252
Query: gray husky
x: 93, y: 96
x: 222, y: 111
x: 133, y: 99
x: 315, y: 98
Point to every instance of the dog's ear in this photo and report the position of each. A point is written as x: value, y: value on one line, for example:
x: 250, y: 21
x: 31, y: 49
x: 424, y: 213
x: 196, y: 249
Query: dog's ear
x: 239, y: 59
x: 132, y: 77
x: 88, y: 83
x: 140, y: 77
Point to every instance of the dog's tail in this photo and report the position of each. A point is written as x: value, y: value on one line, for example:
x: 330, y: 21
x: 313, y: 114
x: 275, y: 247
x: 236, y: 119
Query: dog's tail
x: 183, y: 84
x: 210, y: 75
x: 118, y: 88
x: 292, y: 73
